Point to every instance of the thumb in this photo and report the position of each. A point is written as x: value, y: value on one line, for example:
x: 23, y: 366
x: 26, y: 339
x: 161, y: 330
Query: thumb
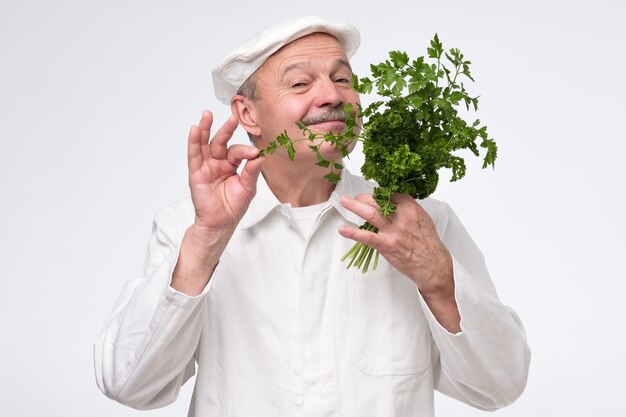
x: 250, y: 174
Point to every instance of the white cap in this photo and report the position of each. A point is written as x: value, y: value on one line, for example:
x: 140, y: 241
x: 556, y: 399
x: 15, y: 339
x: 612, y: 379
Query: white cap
x: 242, y: 62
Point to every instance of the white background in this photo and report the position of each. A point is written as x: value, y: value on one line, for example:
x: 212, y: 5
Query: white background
x: 96, y: 99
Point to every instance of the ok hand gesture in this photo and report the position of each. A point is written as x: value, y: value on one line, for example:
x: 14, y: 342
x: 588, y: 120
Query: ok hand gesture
x: 220, y: 198
x: 220, y: 195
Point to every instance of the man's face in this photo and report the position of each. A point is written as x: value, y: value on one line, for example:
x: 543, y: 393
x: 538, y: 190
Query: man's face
x: 307, y: 80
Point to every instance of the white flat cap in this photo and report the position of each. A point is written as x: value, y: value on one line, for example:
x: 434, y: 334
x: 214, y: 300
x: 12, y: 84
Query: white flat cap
x: 242, y: 62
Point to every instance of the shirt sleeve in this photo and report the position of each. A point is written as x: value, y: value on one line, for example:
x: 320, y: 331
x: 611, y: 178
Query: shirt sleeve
x: 146, y: 349
x: 486, y: 364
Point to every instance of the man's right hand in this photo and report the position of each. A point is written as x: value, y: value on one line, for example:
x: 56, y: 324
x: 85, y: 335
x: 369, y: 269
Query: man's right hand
x: 220, y: 197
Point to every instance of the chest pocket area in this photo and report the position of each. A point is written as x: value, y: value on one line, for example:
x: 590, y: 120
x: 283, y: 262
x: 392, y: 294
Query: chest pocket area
x: 389, y: 334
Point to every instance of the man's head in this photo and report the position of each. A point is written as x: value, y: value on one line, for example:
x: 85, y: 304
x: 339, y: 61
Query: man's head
x: 306, y: 79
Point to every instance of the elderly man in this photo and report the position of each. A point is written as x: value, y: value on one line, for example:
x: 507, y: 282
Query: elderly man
x: 244, y: 278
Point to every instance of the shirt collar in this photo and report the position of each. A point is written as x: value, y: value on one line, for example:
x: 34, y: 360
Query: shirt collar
x: 349, y: 185
x: 265, y: 201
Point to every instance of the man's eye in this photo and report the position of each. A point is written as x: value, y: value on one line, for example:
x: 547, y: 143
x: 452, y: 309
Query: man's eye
x: 298, y: 85
x: 343, y: 80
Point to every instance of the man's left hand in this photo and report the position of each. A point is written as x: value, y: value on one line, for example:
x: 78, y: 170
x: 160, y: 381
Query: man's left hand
x: 409, y: 242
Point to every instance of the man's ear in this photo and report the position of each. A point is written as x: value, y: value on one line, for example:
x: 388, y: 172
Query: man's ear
x: 246, y: 113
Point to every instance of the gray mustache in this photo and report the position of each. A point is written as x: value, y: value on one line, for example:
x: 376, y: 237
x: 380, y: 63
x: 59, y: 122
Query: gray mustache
x: 331, y: 115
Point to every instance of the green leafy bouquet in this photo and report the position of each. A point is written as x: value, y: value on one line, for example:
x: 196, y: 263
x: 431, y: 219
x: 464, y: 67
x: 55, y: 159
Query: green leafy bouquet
x: 408, y: 135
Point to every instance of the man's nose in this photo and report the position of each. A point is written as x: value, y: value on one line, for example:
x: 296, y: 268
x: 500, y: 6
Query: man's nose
x: 328, y: 95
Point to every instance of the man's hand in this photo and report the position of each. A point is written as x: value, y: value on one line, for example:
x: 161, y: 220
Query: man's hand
x: 409, y: 242
x: 220, y: 198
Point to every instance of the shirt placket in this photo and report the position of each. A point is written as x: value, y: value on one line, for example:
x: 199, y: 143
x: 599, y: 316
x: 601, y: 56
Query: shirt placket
x: 318, y: 370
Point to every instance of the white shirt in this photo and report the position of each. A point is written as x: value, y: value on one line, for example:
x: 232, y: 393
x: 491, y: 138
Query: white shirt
x: 305, y: 218
x: 283, y: 329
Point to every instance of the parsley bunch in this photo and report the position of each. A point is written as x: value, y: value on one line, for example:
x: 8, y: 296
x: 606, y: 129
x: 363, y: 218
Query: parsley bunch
x: 410, y: 133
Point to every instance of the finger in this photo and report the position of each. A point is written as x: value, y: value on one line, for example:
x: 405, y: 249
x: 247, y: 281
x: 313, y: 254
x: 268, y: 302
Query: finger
x: 194, y: 154
x: 398, y: 198
x: 359, y: 235
x: 197, y: 147
x: 407, y: 204
x: 204, y: 127
x: 250, y: 174
x: 367, y: 198
x: 219, y: 148
x: 237, y: 153
x: 366, y: 211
